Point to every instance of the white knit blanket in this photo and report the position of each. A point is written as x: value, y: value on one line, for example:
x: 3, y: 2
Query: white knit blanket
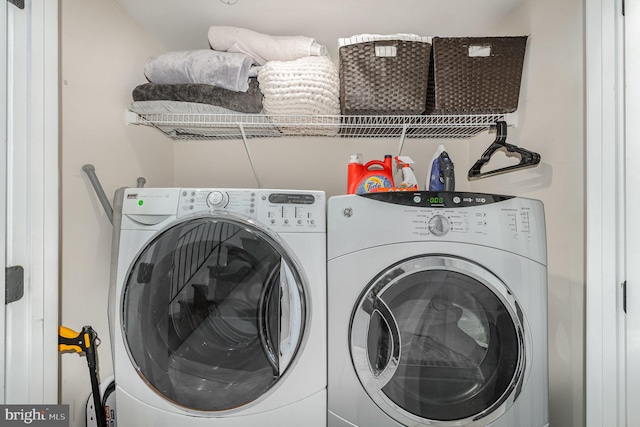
x: 307, y: 86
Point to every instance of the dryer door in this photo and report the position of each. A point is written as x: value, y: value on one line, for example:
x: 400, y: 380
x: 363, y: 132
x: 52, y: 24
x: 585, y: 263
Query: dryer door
x: 213, y: 312
x: 438, y: 340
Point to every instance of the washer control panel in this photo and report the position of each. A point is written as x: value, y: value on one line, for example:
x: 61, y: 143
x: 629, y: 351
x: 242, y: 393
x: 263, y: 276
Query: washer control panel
x: 281, y: 210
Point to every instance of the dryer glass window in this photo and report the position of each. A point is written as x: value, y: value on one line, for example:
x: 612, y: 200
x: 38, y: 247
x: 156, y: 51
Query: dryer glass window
x: 439, y: 344
x: 213, y: 313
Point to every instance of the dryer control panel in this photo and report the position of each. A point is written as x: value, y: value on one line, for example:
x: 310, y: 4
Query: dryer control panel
x: 280, y: 210
x: 515, y: 221
x: 440, y: 213
x: 509, y: 223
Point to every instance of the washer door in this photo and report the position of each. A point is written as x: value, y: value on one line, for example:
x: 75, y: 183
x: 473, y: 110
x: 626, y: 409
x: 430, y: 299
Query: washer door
x: 438, y: 340
x: 213, y: 312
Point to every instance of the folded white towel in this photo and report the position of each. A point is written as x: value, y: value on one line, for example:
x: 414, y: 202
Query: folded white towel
x: 263, y: 47
x: 222, y: 69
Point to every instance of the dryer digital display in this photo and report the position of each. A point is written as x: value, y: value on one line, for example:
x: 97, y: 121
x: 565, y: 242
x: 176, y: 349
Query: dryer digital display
x: 447, y: 199
x: 299, y: 199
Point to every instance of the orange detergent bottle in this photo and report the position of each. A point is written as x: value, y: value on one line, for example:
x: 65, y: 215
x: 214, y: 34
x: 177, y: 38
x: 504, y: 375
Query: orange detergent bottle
x: 373, y: 176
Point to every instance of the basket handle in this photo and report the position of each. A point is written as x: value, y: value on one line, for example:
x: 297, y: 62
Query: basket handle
x: 385, y: 48
x: 479, y: 50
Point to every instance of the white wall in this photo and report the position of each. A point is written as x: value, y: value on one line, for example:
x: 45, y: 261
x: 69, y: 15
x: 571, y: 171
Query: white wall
x: 302, y: 163
x: 101, y: 52
x: 183, y: 25
x: 102, y: 56
x: 551, y: 122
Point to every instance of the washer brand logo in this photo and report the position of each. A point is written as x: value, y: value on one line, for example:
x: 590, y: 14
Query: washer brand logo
x: 37, y: 415
x: 132, y: 196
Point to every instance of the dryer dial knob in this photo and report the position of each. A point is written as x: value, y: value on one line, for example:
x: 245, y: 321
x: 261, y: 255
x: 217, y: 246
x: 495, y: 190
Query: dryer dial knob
x: 439, y: 225
x: 217, y: 199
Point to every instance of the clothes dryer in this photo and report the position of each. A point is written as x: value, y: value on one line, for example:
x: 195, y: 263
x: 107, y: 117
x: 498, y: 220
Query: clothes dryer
x: 218, y: 307
x: 438, y: 310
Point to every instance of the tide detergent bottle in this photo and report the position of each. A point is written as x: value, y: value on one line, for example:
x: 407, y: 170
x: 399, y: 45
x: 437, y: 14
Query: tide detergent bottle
x: 373, y: 176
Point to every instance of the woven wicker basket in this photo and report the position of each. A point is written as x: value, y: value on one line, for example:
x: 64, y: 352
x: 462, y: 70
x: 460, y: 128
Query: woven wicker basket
x: 475, y: 75
x: 371, y: 84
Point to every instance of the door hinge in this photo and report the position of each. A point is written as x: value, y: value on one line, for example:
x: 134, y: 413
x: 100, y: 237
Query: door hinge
x: 14, y: 284
x: 624, y: 296
x: 17, y: 3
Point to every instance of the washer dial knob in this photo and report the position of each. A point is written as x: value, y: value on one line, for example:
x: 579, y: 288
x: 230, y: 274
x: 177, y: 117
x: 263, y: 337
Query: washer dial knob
x: 439, y: 225
x: 217, y: 199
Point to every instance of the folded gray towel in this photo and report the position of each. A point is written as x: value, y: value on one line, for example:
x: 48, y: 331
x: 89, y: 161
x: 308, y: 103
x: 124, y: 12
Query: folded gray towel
x: 222, y: 69
x: 243, y: 102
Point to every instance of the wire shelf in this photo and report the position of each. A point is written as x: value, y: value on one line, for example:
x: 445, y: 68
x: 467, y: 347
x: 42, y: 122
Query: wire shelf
x: 246, y: 126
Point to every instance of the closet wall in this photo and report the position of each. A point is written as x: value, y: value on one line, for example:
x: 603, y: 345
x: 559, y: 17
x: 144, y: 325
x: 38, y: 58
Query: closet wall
x: 551, y: 122
x: 103, y: 51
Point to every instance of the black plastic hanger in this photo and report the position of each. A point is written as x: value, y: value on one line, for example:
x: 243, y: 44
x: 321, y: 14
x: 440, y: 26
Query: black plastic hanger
x: 527, y: 158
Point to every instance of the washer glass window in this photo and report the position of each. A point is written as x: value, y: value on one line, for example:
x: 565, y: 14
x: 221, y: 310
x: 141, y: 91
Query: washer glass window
x: 213, y: 313
x: 438, y: 339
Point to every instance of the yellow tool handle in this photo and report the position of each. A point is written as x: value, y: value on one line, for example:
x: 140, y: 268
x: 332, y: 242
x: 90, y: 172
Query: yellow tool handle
x: 70, y: 340
x: 85, y: 341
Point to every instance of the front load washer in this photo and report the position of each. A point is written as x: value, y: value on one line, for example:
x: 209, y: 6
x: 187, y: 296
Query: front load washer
x: 218, y: 307
x: 438, y: 310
